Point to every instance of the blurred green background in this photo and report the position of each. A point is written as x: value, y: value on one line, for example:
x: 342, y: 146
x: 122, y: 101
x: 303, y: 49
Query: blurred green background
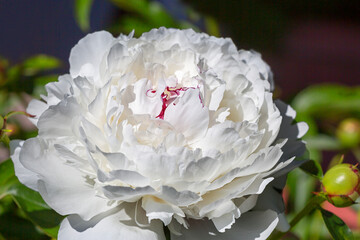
x: 313, y: 48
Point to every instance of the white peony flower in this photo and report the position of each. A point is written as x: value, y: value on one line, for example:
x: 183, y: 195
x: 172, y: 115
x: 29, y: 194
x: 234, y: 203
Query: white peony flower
x: 174, y: 128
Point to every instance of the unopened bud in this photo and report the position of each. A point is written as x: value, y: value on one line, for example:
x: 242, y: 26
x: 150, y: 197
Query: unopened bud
x: 341, y: 185
x: 348, y: 132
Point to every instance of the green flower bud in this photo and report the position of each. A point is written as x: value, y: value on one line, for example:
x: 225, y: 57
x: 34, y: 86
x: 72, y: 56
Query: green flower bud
x: 341, y: 185
x: 348, y: 132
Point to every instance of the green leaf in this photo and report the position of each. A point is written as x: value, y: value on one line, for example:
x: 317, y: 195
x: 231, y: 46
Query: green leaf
x: 29, y: 201
x: 137, y: 6
x: 127, y: 24
x: 212, y: 26
x: 40, y: 82
x: 327, y: 100
x: 14, y: 227
x: 13, y: 73
x: 6, y: 171
x: 153, y: 13
x: 7, y: 177
x: 337, y: 228
x: 323, y: 142
x: 6, y: 205
x: 38, y: 63
x: 36, y: 209
x: 157, y: 14
x: 43, y: 80
x: 313, y: 168
x: 5, y: 139
x: 82, y: 13
x: 1, y: 122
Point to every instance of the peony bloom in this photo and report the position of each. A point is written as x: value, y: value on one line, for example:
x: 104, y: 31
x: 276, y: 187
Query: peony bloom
x: 175, y: 129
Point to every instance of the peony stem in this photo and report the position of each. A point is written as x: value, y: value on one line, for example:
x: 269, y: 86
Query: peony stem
x: 313, y: 203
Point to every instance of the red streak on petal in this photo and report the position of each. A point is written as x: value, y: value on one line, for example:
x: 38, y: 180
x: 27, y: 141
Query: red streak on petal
x: 164, y: 106
x: 150, y: 91
x: 168, y: 95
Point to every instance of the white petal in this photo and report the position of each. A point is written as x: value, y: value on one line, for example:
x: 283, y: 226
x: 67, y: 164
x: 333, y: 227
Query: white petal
x: 62, y: 187
x: 25, y: 176
x: 116, y: 52
x: 85, y: 58
x: 202, y: 169
x: 115, y: 226
x: 129, y: 177
x: 272, y: 199
x: 246, y: 203
x: 127, y: 193
x: 36, y: 108
x: 303, y: 128
x: 288, y: 129
x: 261, y: 162
x: 226, y: 221
x: 188, y: 116
x: 55, y: 121
x: 145, y: 101
x: 254, y: 225
x: 158, y: 209
x: 181, y: 199
x: 58, y: 91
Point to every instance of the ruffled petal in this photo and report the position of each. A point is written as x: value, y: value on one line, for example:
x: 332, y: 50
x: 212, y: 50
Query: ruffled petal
x: 114, y: 225
x: 255, y: 225
x: 159, y: 209
x: 36, y: 108
x: 188, y: 115
x: 87, y: 55
x: 62, y: 186
x: 26, y: 176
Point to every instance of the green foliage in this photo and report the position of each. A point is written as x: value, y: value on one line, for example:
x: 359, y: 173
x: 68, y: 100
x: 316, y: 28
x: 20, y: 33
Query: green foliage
x: 143, y: 15
x: 15, y: 227
x: 327, y: 100
x: 313, y: 168
x: 1, y: 122
x: 38, y: 63
x: 337, y: 228
x: 36, y: 209
x: 7, y: 177
x: 323, y: 142
x: 40, y: 82
x: 82, y: 11
x: 29, y: 202
x: 4, y: 138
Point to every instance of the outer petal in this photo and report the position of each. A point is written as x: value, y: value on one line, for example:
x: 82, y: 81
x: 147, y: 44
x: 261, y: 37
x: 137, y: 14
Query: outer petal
x: 62, y: 186
x: 271, y: 199
x: 254, y: 225
x: 158, y: 209
x: 85, y: 58
x: 26, y: 177
x: 114, y: 226
x: 36, y: 108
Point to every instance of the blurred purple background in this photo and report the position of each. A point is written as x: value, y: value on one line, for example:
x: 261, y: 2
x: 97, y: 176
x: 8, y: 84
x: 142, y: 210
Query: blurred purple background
x: 301, y: 48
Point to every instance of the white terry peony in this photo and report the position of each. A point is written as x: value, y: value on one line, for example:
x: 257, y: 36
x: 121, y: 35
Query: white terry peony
x: 174, y: 128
